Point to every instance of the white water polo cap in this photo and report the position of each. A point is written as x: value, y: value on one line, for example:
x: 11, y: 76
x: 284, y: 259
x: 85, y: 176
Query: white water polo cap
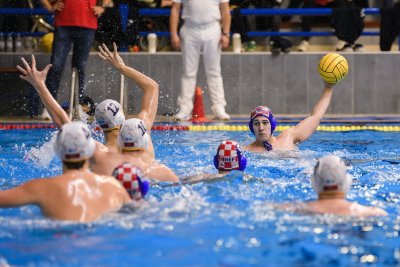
x: 133, y: 135
x: 109, y: 115
x: 74, y: 142
x: 330, y: 175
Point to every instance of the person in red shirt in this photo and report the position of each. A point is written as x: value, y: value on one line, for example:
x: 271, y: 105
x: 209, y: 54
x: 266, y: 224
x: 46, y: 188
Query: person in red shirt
x: 75, y: 24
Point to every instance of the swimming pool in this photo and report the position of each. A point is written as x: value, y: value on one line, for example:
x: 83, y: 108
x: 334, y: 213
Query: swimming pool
x: 224, y: 223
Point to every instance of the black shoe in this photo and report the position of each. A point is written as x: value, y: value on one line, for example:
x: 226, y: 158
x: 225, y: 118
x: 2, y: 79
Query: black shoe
x: 346, y: 48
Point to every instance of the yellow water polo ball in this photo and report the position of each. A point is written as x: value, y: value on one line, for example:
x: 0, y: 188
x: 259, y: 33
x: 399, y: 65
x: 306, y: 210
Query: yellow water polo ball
x: 333, y: 68
x: 47, y: 42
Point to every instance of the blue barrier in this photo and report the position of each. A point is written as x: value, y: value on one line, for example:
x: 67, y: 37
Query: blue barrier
x: 24, y: 34
x: 24, y: 11
x: 152, y: 12
x: 268, y: 34
x: 296, y: 11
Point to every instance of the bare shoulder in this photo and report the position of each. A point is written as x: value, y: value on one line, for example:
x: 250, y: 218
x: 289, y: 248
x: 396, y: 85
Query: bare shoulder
x: 298, y: 207
x: 100, y: 151
x: 253, y: 147
x: 285, y: 140
x: 286, y: 134
x: 107, y: 179
x: 366, y: 211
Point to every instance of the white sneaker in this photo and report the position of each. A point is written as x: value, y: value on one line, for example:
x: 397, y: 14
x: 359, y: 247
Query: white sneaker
x: 220, y: 114
x: 345, y: 48
x: 303, y: 46
x: 181, y: 116
x: 45, y: 115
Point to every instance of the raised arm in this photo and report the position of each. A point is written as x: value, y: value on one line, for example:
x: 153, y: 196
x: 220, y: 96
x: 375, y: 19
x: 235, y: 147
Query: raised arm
x: 37, y: 80
x: 149, y: 86
x: 173, y: 25
x: 306, y: 127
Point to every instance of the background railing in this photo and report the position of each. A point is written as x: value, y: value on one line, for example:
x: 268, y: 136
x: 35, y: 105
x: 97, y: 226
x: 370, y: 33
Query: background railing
x: 153, y: 12
x: 272, y: 12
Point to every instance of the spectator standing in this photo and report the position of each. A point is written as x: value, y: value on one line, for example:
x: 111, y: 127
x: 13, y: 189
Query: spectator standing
x: 337, y: 23
x: 201, y: 31
x: 75, y: 24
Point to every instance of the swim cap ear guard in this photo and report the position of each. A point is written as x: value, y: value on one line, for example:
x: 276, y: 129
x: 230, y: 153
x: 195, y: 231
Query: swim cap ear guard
x: 230, y: 157
x: 109, y: 115
x: 74, y: 142
x: 132, y: 179
x: 330, y: 175
x: 265, y: 112
x: 133, y: 135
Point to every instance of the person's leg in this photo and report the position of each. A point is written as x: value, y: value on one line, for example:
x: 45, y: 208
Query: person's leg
x: 191, y: 48
x: 61, y: 46
x: 83, y: 40
x: 306, y: 22
x: 212, y: 65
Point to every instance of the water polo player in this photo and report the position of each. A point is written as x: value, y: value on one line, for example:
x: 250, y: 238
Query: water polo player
x: 132, y: 179
x: 229, y: 157
x: 331, y: 182
x: 263, y: 123
x: 77, y: 194
x: 110, y: 117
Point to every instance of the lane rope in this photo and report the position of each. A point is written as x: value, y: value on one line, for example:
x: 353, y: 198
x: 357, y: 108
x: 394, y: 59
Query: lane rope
x: 229, y: 128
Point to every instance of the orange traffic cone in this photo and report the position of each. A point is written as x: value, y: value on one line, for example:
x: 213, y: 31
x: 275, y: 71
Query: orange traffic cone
x: 198, y: 114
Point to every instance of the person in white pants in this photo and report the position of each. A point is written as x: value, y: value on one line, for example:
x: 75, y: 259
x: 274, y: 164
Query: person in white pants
x: 201, y: 31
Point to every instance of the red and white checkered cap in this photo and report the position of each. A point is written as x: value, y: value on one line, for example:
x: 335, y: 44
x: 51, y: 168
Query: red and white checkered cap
x: 129, y: 175
x: 228, y: 158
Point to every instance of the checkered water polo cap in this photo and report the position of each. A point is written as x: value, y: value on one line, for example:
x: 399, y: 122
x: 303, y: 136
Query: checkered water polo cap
x: 132, y: 179
x: 133, y: 135
x: 330, y: 175
x: 109, y: 115
x: 230, y: 157
x: 74, y: 142
x: 263, y: 111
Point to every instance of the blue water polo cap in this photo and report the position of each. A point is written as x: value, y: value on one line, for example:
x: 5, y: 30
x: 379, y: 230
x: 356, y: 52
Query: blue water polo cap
x: 230, y: 157
x: 265, y: 112
x: 132, y: 179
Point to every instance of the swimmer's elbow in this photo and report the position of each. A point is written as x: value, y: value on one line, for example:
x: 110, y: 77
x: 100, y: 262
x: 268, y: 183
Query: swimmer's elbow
x: 173, y: 178
x: 380, y: 212
x: 156, y: 86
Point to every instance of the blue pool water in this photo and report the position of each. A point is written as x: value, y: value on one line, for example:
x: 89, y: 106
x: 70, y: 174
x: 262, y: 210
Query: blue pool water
x: 224, y: 223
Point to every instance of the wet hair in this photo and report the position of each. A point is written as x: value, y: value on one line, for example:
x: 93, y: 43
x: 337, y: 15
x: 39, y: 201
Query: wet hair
x: 74, y: 165
x: 86, y: 100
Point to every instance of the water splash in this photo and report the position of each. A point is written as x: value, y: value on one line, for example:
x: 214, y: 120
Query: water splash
x: 41, y: 156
